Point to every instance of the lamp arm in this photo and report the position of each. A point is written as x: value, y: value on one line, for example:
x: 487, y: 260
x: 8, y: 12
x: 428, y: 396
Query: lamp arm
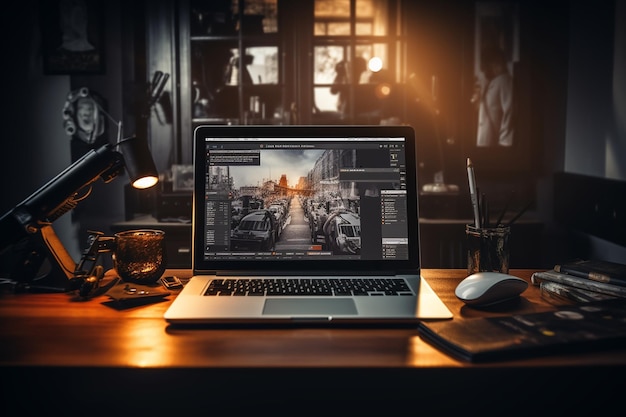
x: 57, y: 196
x: 61, y: 273
x: 29, y: 257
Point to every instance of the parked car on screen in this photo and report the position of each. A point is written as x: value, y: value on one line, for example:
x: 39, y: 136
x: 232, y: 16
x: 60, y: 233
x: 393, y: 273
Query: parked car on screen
x: 280, y: 214
x: 342, y: 232
x: 256, y: 231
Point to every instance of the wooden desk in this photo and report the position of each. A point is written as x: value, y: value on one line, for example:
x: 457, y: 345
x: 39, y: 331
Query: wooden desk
x: 91, y: 358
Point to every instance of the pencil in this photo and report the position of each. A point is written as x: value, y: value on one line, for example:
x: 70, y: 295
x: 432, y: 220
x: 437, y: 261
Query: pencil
x: 504, y: 209
x: 519, y: 214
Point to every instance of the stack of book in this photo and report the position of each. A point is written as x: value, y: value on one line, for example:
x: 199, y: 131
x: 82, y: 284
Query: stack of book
x: 582, y: 281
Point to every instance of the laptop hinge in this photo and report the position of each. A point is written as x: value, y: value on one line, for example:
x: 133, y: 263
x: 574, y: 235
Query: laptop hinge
x: 341, y: 273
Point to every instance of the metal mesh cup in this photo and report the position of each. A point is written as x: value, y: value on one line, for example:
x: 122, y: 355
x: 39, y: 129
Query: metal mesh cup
x: 487, y: 249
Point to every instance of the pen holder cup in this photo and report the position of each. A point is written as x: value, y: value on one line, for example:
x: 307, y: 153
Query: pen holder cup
x: 139, y: 255
x: 487, y: 249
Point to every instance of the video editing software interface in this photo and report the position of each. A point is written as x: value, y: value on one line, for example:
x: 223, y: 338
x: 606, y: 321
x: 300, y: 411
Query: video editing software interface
x: 327, y: 198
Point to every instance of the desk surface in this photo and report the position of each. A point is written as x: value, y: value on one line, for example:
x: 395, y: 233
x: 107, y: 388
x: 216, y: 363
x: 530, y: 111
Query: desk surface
x: 92, y: 339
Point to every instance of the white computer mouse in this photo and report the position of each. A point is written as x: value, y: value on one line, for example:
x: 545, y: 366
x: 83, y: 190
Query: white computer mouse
x: 486, y: 288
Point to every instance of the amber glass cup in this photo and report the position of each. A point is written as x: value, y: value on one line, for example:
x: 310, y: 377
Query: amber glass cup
x: 139, y: 255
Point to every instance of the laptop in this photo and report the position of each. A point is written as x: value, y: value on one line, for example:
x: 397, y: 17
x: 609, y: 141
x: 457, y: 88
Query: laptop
x: 305, y: 224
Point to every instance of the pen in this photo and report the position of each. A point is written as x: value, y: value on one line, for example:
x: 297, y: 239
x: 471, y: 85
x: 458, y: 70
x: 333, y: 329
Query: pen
x: 484, y: 207
x: 519, y: 214
x: 472, y: 187
x: 506, y: 207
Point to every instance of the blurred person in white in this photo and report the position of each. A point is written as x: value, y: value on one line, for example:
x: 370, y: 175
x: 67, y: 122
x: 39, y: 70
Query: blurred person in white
x: 494, y: 98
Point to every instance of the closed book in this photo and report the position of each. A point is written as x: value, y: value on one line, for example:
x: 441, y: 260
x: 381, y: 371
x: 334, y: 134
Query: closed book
x: 596, y: 270
x: 568, y: 329
x: 561, y: 294
x: 578, y: 282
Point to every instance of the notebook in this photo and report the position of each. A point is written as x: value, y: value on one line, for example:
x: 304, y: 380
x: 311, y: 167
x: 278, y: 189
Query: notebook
x: 305, y: 224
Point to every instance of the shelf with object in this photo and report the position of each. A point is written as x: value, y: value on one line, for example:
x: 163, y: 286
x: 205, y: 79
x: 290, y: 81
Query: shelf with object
x: 235, y: 69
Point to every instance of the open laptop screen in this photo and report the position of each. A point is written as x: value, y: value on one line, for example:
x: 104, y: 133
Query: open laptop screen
x: 280, y: 197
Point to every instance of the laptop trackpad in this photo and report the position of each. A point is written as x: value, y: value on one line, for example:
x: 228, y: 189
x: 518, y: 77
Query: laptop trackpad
x: 305, y: 306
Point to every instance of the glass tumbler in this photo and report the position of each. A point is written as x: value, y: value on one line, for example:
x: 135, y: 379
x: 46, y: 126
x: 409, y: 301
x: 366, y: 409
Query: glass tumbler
x: 139, y: 255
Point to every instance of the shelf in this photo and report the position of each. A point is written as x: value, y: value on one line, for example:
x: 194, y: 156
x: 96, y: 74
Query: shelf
x: 260, y: 39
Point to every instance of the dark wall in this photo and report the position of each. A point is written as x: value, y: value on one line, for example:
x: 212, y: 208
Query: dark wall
x: 589, y: 197
x: 595, y: 103
x: 36, y: 146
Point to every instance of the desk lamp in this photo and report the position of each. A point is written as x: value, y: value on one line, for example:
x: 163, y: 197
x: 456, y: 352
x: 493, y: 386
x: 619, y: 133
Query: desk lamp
x: 27, y: 228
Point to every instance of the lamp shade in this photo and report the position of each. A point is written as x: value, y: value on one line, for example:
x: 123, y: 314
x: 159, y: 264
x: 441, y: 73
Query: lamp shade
x: 139, y: 163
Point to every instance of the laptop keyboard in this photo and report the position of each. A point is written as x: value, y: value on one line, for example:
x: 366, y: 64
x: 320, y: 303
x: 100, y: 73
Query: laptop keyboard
x: 308, y: 287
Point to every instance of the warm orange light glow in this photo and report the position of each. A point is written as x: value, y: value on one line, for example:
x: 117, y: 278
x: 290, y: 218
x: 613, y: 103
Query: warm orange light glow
x: 146, y: 343
x: 383, y: 90
x: 145, y: 182
x: 375, y: 64
x: 420, y: 352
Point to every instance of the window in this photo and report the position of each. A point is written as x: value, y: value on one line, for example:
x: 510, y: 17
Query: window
x: 354, y: 61
x: 277, y: 62
x: 235, y: 68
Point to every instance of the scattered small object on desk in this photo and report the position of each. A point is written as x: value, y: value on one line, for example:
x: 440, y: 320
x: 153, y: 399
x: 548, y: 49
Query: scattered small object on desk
x: 125, y: 292
x: 171, y: 282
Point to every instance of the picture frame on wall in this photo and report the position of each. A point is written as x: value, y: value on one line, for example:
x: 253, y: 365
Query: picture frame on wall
x: 72, y: 34
x: 182, y: 177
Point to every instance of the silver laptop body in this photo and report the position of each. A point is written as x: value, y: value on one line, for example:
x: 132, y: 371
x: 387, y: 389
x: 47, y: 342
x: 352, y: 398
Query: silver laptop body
x: 305, y: 224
